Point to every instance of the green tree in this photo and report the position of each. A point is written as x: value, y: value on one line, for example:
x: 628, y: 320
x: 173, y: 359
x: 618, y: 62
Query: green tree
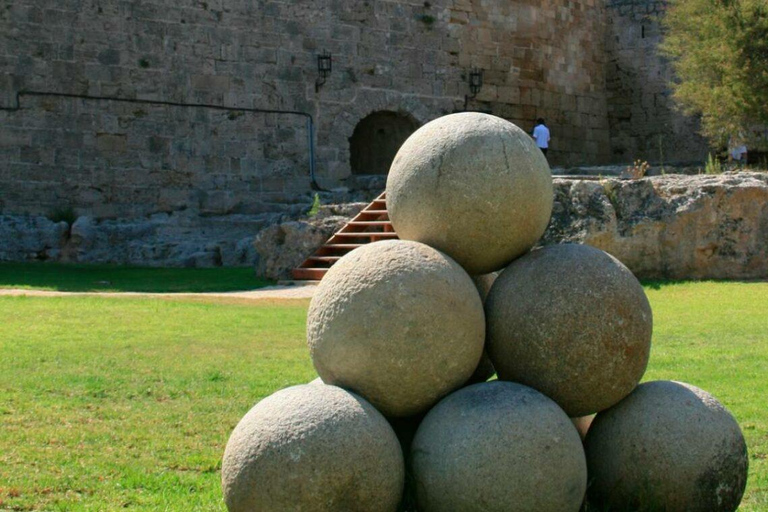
x: 719, y: 51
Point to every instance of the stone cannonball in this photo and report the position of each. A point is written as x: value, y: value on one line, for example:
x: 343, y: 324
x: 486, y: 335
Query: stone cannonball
x: 313, y: 448
x: 485, y: 369
x: 498, y: 447
x: 473, y: 186
x: 582, y: 424
x: 667, y: 446
x: 484, y: 282
x: 397, y: 322
x: 572, y: 322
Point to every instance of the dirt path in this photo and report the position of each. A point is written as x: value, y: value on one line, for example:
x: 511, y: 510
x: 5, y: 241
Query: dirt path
x: 269, y: 292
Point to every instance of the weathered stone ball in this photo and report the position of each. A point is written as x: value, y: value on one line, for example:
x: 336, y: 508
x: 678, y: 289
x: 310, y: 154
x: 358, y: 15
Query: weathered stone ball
x: 397, y: 322
x: 405, y: 429
x: 312, y: 448
x: 473, y: 186
x: 667, y: 446
x: 485, y: 369
x: 484, y: 282
x: 498, y: 447
x: 572, y: 322
x: 582, y: 424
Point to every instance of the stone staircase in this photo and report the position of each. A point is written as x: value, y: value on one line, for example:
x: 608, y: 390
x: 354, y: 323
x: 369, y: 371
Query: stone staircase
x: 370, y: 225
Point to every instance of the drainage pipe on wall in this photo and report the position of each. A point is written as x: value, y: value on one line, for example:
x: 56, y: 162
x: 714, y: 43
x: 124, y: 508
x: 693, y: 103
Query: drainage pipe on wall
x: 310, y: 120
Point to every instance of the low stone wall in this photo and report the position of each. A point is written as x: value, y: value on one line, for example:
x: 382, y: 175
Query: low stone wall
x: 664, y: 227
x: 158, y: 240
x: 182, y: 238
x: 670, y: 227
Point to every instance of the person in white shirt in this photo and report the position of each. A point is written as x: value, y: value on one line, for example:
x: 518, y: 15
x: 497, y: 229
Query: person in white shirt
x: 541, y: 135
x: 738, y: 149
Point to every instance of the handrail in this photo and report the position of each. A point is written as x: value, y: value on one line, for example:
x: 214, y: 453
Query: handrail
x: 310, y: 120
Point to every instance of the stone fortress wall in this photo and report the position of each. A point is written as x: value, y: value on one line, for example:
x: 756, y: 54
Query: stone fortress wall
x: 396, y: 65
x: 177, y: 130
x: 643, y: 121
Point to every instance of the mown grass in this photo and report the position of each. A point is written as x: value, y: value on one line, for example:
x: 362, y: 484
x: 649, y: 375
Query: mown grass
x: 116, y: 278
x: 110, y: 404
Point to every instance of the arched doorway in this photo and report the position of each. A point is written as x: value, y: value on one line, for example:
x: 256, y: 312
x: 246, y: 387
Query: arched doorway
x: 376, y: 139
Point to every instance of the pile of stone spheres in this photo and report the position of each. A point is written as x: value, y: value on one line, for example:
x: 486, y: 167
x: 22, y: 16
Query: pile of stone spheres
x: 403, y: 418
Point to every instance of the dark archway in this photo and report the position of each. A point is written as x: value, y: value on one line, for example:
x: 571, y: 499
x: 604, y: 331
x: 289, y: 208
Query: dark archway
x: 376, y: 139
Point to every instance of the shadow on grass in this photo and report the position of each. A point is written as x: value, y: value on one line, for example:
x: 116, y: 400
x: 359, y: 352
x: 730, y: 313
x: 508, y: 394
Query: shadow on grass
x: 657, y: 284
x: 115, y: 278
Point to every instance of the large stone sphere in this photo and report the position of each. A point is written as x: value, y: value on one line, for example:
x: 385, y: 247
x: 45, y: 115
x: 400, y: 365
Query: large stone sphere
x: 397, y: 322
x: 473, y: 186
x: 572, y: 322
x: 667, y: 446
x: 498, y: 447
x: 312, y: 448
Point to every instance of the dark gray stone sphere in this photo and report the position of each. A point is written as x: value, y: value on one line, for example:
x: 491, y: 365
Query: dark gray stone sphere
x: 498, y: 447
x: 667, y: 446
x: 312, y: 448
x: 473, y: 186
x: 397, y: 322
x: 572, y: 322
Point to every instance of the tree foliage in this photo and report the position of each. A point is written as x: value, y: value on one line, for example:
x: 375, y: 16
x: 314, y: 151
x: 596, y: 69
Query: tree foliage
x: 719, y: 51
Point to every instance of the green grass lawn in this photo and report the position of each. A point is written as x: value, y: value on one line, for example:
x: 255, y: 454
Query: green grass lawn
x: 109, y: 404
x: 114, y: 278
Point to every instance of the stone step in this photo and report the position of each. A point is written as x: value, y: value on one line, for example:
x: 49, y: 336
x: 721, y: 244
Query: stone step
x: 324, y: 259
x: 369, y: 223
x: 391, y: 235
x: 308, y: 274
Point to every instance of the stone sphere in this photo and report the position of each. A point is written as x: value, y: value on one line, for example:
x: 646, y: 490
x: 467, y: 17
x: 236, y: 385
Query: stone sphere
x: 397, y: 322
x: 485, y: 369
x: 582, y: 424
x: 572, y: 322
x: 667, y: 446
x: 312, y: 448
x: 473, y: 186
x: 498, y: 447
x: 405, y: 429
x: 484, y: 282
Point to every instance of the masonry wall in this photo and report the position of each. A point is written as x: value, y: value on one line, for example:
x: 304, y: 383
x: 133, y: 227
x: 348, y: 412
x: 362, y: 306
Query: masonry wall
x: 117, y: 159
x: 642, y: 117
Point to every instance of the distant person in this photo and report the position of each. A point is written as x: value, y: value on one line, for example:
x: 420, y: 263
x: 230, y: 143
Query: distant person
x: 738, y: 150
x: 541, y: 135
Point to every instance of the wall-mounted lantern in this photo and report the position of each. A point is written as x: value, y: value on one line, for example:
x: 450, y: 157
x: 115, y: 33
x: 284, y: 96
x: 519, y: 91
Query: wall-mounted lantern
x: 475, y: 81
x: 324, y: 68
x: 475, y: 84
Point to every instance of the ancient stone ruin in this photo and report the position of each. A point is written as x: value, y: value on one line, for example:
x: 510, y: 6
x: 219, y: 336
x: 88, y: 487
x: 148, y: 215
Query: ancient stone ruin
x: 170, y: 133
x: 398, y: 420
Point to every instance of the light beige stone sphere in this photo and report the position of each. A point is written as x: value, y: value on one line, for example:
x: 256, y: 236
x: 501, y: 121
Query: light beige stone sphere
x: 498, y: 447
x: 572, y: 322
x: 313, y: 448
x: 473, y: 186
x: 667, y: 446
x: 397, y: 322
